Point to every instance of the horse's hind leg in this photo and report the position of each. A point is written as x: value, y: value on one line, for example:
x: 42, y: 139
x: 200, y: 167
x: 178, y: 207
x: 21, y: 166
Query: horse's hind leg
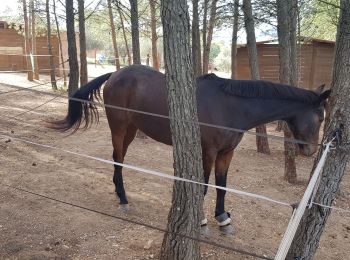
x: 121, y: 141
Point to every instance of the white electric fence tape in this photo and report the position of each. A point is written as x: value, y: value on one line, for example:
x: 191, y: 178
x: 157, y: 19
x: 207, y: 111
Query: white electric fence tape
x: 299, y: 212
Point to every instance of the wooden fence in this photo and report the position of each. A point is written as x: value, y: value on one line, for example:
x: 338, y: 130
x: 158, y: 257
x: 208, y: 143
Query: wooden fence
x: 315, y: 63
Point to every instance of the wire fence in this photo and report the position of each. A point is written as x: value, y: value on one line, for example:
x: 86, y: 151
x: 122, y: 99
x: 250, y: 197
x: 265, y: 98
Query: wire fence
x: 99, y: 104
x: 159, y: 174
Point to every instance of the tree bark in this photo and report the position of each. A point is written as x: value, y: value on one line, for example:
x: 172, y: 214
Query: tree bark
x: 26, y: 42
x: 35, y: 58
x: 82, y: 44
x: 184, y: 215
x: 114, y: 36
x: 309, y: 232
x: 261, y: 142
x: 49, y: 46
x: 124, y: 34
x: 136, y: 58
x: 196, y: 42
x: 234, y: 40
x: 284, y: 19
x: 72, y: 49
x: 204, y: 31
x: 154, y: 39
x: 60, y: 44
x: 206, y: 50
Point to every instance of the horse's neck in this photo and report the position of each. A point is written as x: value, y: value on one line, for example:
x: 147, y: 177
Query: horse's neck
x: 262, y: 111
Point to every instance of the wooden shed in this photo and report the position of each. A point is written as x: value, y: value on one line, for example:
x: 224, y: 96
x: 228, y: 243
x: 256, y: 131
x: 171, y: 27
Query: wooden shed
x: 12, y: 51
x: 315, y: 62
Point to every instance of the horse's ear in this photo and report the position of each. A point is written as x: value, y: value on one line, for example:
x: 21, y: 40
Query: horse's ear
x: 320, y: 89
x: 324, y: 95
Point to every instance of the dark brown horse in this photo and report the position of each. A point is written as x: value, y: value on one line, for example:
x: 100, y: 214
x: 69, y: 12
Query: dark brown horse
x: 238, y: 104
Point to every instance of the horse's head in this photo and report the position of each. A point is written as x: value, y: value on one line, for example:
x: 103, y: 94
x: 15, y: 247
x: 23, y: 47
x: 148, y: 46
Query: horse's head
x: 306, y: 124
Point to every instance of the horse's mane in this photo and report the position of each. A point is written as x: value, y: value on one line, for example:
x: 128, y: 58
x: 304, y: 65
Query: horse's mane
x: 259, y: 89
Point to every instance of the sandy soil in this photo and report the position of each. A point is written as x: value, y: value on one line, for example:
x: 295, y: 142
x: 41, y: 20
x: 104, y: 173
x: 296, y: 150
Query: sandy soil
x: 36, y: 228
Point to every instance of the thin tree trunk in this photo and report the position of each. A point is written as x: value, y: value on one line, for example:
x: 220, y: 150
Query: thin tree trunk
x: 154, y: 39
x: 234, y: 40
x: 196, y: 41
x: 261, y: 142
x: 124, y: 34
x: 72, y: 49
x: 35, y: 58
x: 284, y: 39
x: 184, y: 215
x: 307, y: 238
x: 82, y: 44
x: 60, y: 44
x: 206, y: 51
x: 136, y: 58
x: 26, y: 42
x: 49, y: 46
x: 114, y: 36
x: 205, y: 28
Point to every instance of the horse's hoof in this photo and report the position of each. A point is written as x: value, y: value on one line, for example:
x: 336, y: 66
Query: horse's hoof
x: 227, y: 230
x: 205, y: 230
x: 124, y: 208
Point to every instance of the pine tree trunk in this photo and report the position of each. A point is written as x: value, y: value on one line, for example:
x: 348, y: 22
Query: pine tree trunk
x: 206, y: 51
x: 124, y: 34
x: 60, y: 45
x: 309, y: 232
x: 234, y: 40
x: 136, y: 58
x: 261, y: 142
x: 49, y: 46
x: 154, y: 39
x: 114, y: 36
x: 204, y: 31
x: 82, y: 44
x: 35, y: 58
x: 26, y: 42
x: 286, y: 65
x: 196, y: 41
x: 72, y: 49
x: 184, y: 215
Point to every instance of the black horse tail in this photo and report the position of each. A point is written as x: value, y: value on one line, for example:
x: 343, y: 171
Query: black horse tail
x: 82, y: 106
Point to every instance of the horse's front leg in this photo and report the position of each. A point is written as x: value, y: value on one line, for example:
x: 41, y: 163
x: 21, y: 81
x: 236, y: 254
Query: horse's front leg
x: 208, y: 161
x: 222, y: 164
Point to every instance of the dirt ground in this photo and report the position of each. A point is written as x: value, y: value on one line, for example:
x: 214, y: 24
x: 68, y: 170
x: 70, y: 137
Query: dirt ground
x: 32, y: 227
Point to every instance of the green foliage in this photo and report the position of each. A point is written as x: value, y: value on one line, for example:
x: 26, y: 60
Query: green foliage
x: 320, y: 19
x: 214, y: 51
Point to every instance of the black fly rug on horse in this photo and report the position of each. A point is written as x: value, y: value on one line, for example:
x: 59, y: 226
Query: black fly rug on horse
x: 240, y: 104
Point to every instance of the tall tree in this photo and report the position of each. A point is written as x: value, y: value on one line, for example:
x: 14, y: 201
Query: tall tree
x: 204, y: 29
x: 49, y: 46
x: 136, y: 58
x: 154, y: 37
x: 234, y: 39
x: 82, y: 43
x: 26, y: 42
x: 309, y: 232
x: 206, y: 47
x: 114, y: 36
x: 60, y: 44
x: 72, y: 49
x: 196, y: 42
x: 261, y: 142
x: 33, y: 33
x: 285, y: 18
x: 184, y: 215
x: 124, y: 32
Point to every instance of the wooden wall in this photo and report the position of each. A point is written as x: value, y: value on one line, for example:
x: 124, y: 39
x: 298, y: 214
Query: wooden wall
x: 315, y: 63
x: 12, y: 43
